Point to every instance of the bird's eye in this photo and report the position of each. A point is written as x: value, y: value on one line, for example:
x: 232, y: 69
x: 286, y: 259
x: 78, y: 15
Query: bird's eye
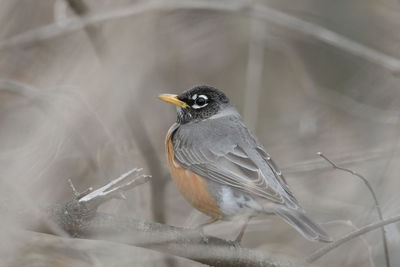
x: 199, y: 101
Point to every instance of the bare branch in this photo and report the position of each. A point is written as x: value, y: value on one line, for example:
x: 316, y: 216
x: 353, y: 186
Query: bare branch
x: 362, y: 238
x: 377, y: 206
x: 363, y: 230
x: 83, y: 222
x: 74, y: 191
x: 113, y: 188
x: 245, y: 7
x: 79, y: 218
x: 190, y: 244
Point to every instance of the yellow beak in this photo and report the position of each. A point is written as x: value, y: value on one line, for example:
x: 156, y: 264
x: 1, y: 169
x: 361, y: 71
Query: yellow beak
x: 173, y: 99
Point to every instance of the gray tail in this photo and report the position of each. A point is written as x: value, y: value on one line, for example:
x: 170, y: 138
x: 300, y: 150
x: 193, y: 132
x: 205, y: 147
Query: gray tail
x: 303, y: 224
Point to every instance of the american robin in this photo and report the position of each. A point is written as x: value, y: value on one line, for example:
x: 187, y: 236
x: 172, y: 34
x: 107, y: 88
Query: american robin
x: 220, y: 167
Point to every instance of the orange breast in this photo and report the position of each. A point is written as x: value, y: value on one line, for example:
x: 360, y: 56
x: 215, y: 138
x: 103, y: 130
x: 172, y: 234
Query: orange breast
x: 191, y: 186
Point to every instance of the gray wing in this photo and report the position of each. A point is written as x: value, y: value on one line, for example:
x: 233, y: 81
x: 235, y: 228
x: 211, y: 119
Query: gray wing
x: 225, y: 151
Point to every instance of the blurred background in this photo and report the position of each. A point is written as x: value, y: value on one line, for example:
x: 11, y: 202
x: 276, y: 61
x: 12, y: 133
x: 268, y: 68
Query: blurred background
x: 79, y: 81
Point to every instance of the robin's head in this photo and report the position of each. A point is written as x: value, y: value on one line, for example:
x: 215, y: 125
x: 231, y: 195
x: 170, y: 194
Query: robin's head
x: 197, y: 103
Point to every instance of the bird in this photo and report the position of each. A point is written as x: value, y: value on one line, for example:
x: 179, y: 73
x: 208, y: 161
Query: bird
x: 221, y: 168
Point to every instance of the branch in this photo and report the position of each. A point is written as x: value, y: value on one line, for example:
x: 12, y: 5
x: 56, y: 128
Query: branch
x: 377, y: 206
x: 79, y: 218
x: 83, y: 222
x: 112, y: 189
x: 80, y: 8
x: 186, y: 243
x: 243, y: 7
x: 75, y: 215
x: 321, y: 252
x: 344, y: 159
x: 45, y: 99
x: 362, y: 238
x: 152, y: 159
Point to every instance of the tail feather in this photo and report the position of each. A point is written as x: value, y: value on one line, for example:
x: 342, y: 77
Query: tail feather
x: 303, y: 224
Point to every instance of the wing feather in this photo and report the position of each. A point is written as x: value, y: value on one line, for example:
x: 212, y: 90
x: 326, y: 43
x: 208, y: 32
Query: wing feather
x: 235, y: 159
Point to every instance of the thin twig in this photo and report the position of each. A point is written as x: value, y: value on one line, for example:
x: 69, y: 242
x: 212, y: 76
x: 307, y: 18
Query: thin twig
x: 245, y: 7
x: 363, y: 230
x: 377, y: 206
x: 316, y: 164
x: 74, y: 191
x: 362, y: 238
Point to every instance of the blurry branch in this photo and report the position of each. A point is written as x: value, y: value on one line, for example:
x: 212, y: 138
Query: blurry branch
x: 153, y: 162
x: 363, y: 230
x: 377, y: 206
x: 139, y: 131
x: 330, y: 97
x: 344, y: 159
x: 244, y: 7
x: 327, y: 36
x: 74, y: 24
x: 349, y: 105
x: 254, y: 77
x: 78, y: 6
x: 79, y: 218
x: 42, y: 97
x: 20, y: 89
x: 33, y: 93
x: 362, y: 238
x: 96, y: 38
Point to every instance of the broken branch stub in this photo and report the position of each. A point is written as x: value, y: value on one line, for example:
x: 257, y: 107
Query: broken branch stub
x: 76, y: 215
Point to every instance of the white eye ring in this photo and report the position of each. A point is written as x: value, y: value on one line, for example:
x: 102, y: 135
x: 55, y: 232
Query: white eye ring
x: 194, y: 97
